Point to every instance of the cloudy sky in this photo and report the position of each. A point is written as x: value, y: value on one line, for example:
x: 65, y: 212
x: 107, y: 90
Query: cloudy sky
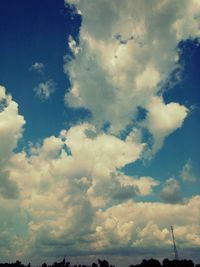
x: 99, y: 129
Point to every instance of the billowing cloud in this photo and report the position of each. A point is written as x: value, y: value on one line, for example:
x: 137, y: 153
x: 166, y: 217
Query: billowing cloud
x: 124, y: 59
x: 147, y: 224
x: 11, y: 126
x: 76, y: 199
x: 61, y: 191
x: 11, y: 129
x: 71, y: 196
x: 69, y: 193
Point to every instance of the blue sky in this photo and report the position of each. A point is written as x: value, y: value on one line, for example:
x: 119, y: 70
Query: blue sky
x: 102, y: 127
x: 37, y: 32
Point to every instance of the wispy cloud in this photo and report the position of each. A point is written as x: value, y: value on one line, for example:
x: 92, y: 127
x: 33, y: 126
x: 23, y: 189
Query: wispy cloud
x: 45, y: 89
x: 187, y: 173
x: 38, y: 67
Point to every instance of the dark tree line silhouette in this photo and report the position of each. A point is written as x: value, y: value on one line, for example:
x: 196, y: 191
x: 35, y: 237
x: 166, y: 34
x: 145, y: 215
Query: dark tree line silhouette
x: 105, y: 263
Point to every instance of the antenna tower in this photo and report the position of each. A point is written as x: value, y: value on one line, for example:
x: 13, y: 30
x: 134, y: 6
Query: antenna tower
x: 175, y: 249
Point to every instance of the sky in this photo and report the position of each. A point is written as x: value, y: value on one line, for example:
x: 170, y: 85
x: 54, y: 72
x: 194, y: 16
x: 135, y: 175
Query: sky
x: 99, y: 130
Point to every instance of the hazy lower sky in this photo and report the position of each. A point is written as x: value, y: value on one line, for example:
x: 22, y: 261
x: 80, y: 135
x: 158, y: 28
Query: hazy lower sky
x: 99, y: 129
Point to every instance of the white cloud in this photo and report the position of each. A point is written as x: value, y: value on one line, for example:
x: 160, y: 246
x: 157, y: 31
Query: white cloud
x: 73, y: 45
x: 45, y: 89
x: 148, y: 225
x: 144, y: 184
x: 70, y: 199
x: 113, y: 76
x: 11, y: 128
x: 69, y: 193
x: 81, y: 197
x: 163, y: 119
x: 148, y: 80
x: 187, y: 173
x: 63, y: 192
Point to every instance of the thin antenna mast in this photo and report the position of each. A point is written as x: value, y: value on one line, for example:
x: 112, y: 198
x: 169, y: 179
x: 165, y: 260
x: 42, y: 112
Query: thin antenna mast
x: 175, y: 249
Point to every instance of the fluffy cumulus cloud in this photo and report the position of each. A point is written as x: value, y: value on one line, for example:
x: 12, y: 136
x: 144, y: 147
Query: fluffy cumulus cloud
x: 66, y: 181
x: 162, y: 119
x: 72, y: 197
x: 69, y: 194
x: 147, y: 224
x: 11, y: 128
x: 126, y: 53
